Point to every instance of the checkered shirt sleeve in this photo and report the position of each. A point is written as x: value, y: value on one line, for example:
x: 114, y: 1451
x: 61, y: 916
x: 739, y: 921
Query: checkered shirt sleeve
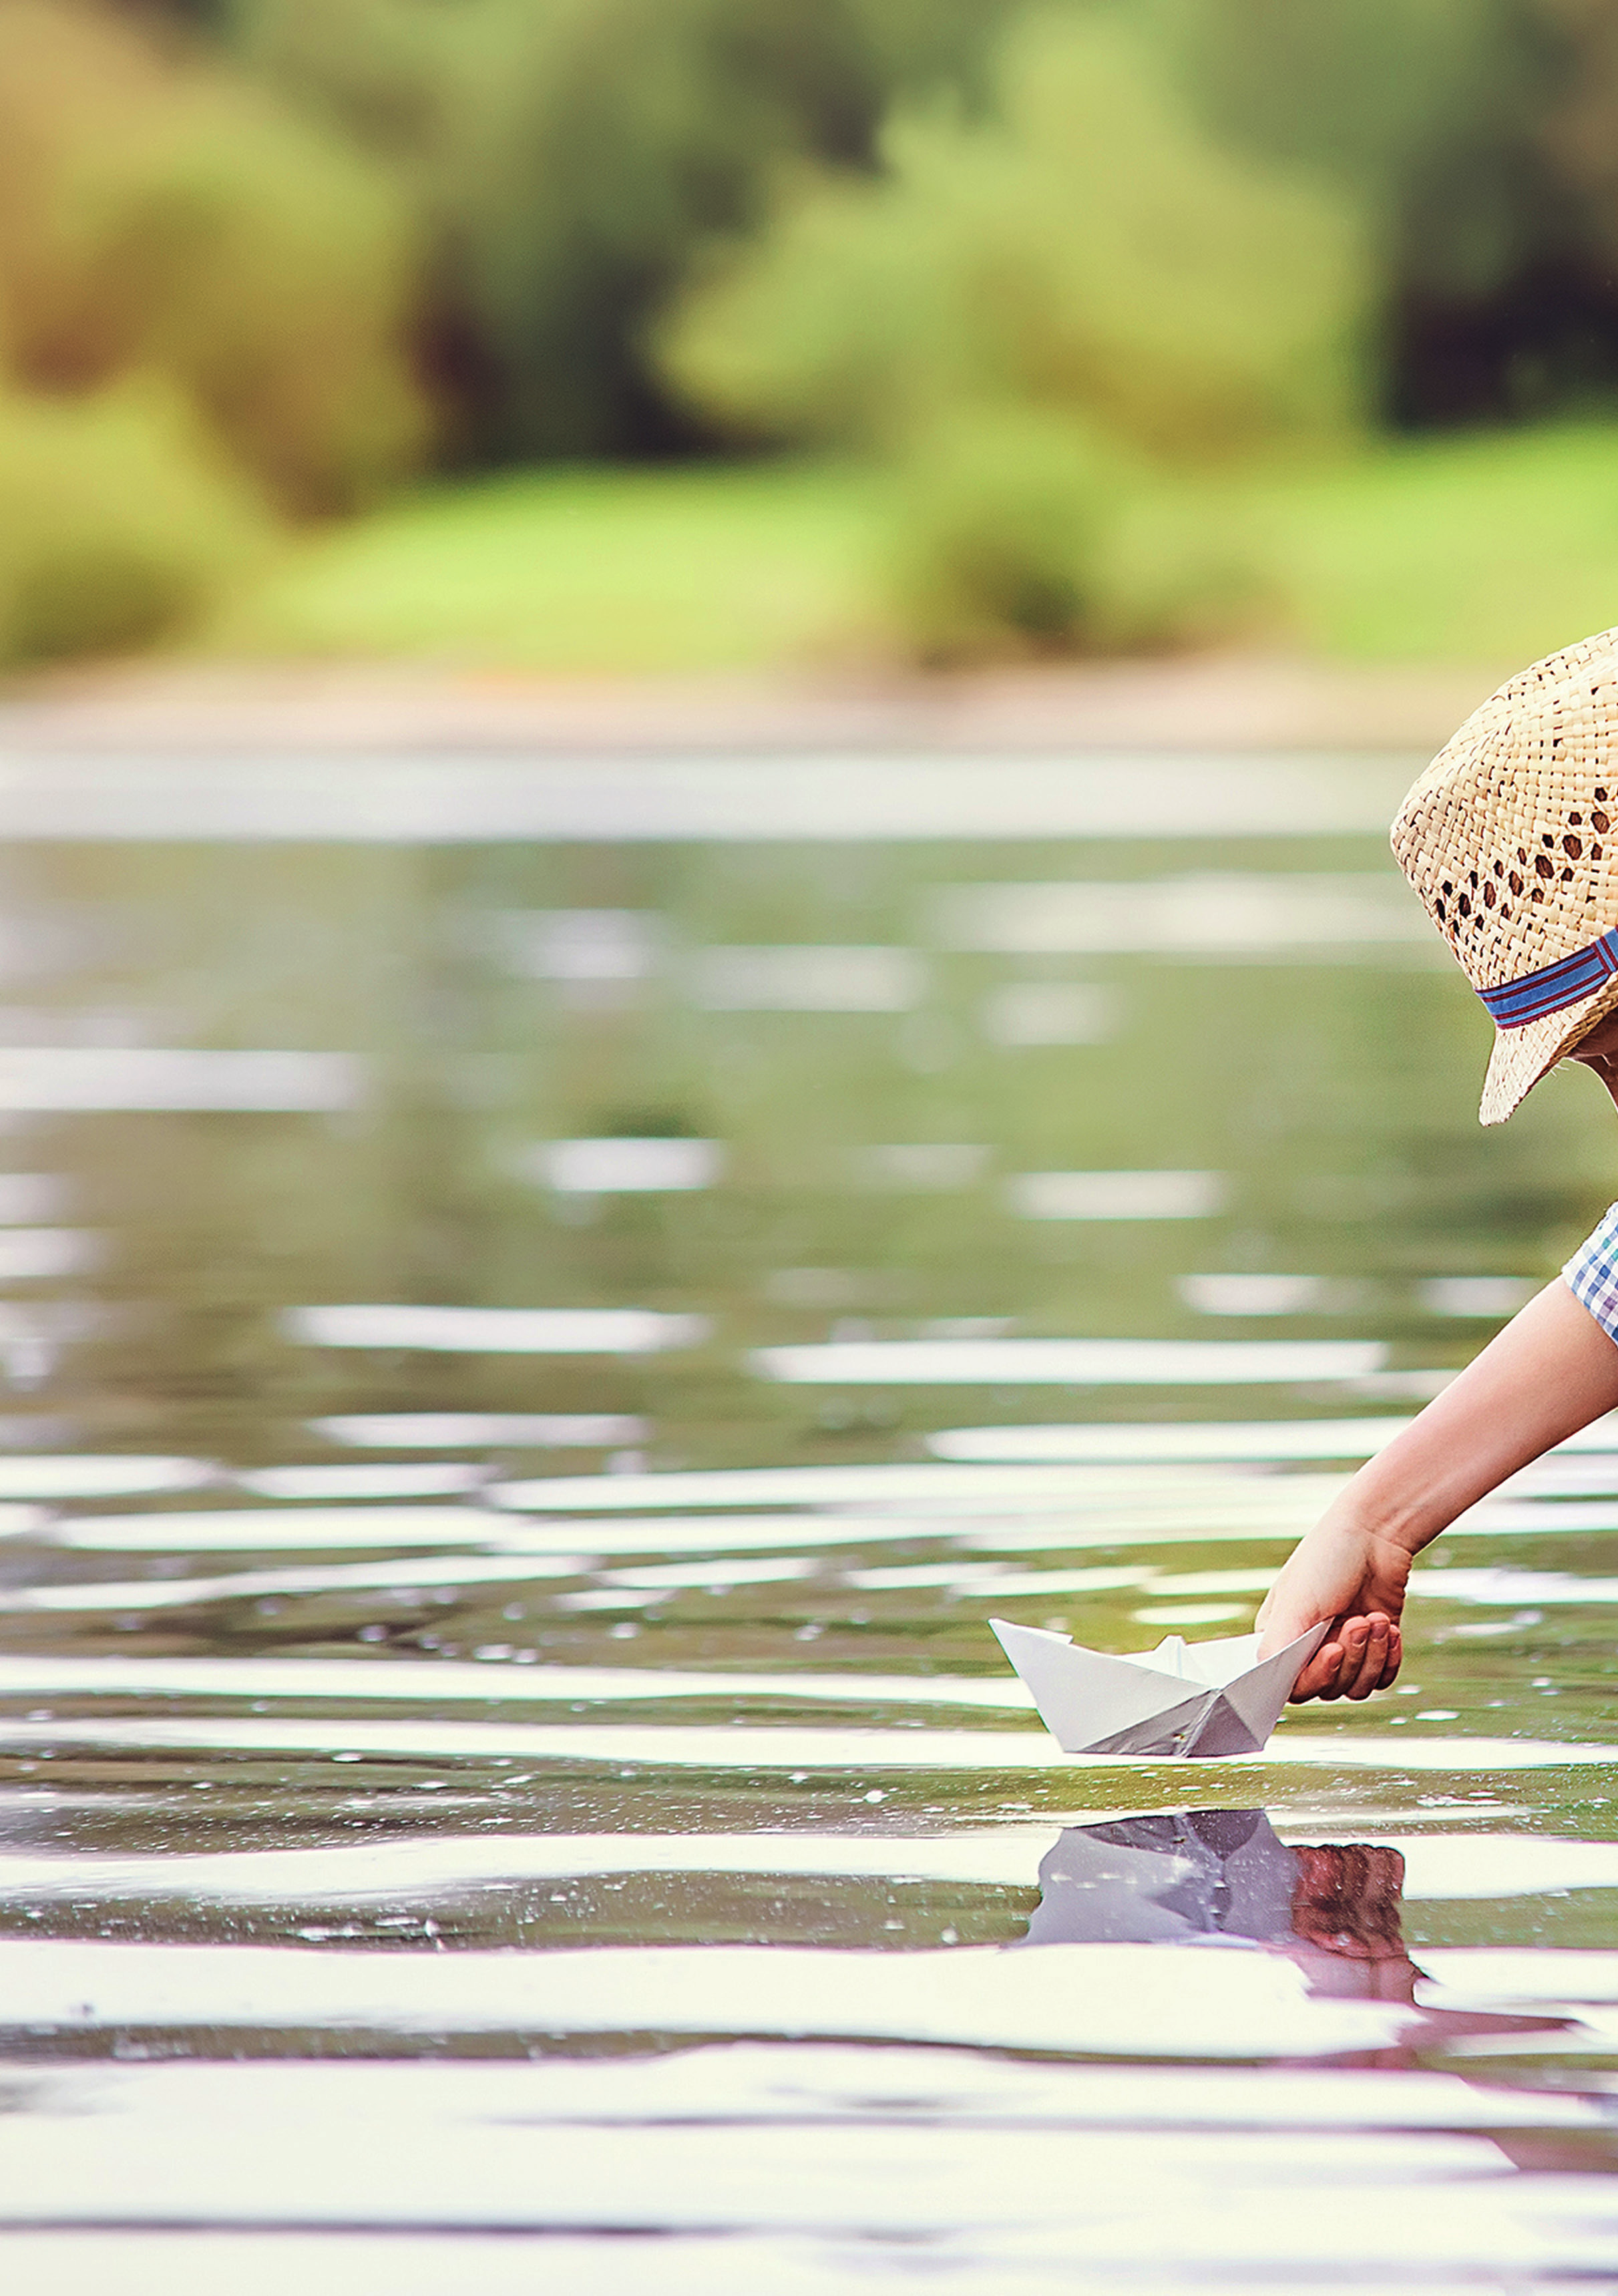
x: 1591, y: 1275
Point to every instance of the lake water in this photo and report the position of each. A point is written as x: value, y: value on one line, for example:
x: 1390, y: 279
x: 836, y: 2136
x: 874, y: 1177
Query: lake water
x: 544, y: 1305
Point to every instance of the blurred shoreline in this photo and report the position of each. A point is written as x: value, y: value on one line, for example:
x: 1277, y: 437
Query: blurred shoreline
x: 1223, y: 702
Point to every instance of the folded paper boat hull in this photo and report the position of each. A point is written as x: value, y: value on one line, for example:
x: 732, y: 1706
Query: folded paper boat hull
x: 1093, y: 1703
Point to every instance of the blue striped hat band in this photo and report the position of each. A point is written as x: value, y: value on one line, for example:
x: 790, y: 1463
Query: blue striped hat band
x: 1554, y: 987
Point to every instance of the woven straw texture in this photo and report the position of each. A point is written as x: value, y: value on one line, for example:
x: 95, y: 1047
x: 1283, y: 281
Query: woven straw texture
x: 1510, y: 838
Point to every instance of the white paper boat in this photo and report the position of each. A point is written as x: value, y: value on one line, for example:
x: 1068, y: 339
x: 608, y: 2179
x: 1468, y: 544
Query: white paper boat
x: 1181, y: 1698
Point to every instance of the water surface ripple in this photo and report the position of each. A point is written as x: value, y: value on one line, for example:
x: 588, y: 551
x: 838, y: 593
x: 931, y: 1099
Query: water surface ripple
x: 542, y: 1307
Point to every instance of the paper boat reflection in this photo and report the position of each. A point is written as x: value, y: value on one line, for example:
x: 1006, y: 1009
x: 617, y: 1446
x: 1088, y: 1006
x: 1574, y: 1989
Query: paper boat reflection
x: 1223, y: 1877
x: 1165, y: 1879
x: 1182, y: 1698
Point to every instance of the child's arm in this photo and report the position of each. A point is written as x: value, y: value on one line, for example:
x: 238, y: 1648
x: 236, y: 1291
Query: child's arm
x: 1550, y: 1372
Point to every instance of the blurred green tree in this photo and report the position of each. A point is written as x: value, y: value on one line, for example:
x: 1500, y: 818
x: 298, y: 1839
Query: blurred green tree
x: 1478, y: 137
x: 572, y: 158
x: 1015, y: 530
x: 121, y: 521
x: 1581, y: 127
x: 159, y: 216
x: 635, y: 130
x: 573, y: 155
x: 1023, y: 313
x: 1370, y: 90
x: 1089, y: 250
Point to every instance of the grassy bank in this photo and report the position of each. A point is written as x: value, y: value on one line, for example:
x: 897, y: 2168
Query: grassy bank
x: 579, y: 571
x: 1493, y: 548
x: 1482, y: 548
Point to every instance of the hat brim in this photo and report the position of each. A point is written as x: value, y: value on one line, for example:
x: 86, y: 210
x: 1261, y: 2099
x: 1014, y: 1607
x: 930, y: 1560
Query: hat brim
x: 1522, y: 1056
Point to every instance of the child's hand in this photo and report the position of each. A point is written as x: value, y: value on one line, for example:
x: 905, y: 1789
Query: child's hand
x: 1553, y: 1369
x: 1356, y: 1579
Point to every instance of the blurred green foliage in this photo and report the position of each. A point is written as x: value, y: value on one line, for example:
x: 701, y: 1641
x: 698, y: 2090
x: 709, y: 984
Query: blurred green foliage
x: 202, y: 307
x: 573, y: 160
x: 1006, y: 526
x: 120, y: 522
x: 1023, y: 254
x: 158, y: 216
x: 1013, y: 529
x: 1015, y: 298
x: 1441, y: 117
x: 573, y: 155
x: 1088, y: 248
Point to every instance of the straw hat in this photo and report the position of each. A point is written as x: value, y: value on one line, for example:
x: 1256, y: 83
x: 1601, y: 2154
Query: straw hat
x: 1511, y: 839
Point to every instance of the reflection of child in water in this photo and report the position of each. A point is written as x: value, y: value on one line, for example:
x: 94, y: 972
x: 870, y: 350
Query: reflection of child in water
x: 1511, y: 839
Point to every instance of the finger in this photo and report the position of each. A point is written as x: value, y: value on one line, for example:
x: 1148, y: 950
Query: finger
x: 1347, y: 1660
x: 1319, y: 1678
x: 1320, y: 1671
x: 1395, y: 1657
x: 1354, y: 1633
x: 1373, y: 1657
x: 1362, y: 1678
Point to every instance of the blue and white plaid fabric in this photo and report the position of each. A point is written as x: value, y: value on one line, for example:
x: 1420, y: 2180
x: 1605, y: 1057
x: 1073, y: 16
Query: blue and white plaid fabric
x: 1592, y: 1274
